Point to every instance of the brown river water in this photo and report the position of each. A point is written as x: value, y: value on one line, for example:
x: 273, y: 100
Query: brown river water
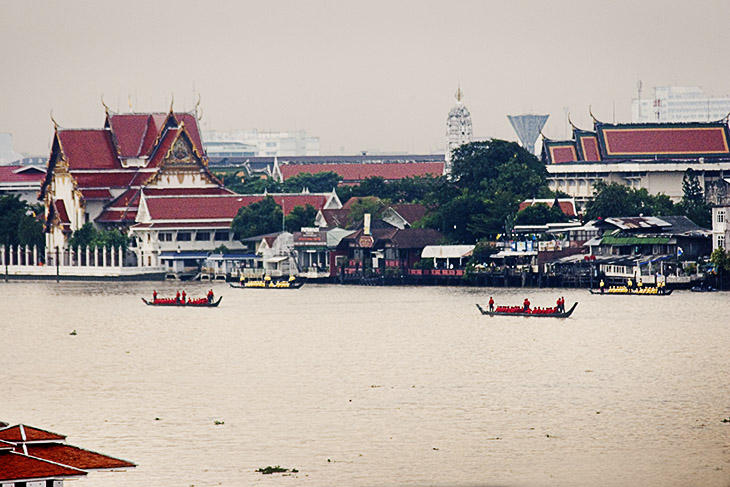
x: 373, y: 386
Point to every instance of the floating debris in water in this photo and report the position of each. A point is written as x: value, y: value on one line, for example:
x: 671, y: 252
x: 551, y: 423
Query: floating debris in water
x: 73, y: 333
x: 276, y: 469
x: 217, y: 422
x: 726, y: 420
x: 157, y: 419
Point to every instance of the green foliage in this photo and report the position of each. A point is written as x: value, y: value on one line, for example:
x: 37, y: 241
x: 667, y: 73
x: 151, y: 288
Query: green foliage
x: 321, y: 182
x: 374, y: 206
x: 495, y: 165
x: 721, y: 259
x: 89, y: 236
x: 614, y: 199
x: 19, y: 224
x: 221, y: 249
x: 693, y: 203
x: 299, y: 217
x: 419, y: 189
x: 259, y: 218
x: 540, y: 214
x: 482, y: 251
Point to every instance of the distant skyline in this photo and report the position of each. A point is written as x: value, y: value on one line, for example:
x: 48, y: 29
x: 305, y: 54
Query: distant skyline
x: 376, y: 75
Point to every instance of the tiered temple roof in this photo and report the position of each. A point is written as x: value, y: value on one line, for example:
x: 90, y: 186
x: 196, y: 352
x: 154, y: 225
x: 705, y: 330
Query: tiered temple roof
x: 641, y: 141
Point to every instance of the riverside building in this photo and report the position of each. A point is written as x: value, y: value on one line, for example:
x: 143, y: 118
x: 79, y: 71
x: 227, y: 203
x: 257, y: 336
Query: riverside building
x: 653, y: 156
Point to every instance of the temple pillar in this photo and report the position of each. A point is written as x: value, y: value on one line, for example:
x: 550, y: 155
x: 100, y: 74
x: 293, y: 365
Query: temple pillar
x: 45, y: 255
x: 103, y: 256
x: 87, y: 256
x: 35, y: 255
x: 27, y: 255
x: 2, y: 254
x: 96, y: 256
x: 18, y: 251
x: 120, y: 259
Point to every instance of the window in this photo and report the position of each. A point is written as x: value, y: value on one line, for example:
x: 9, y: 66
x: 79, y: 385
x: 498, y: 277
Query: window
x: 720, y: 216
x: 721, y: 241
x: 165, y: 237
x: 183, y: 236
x: 221, y: 235
x: 201, y: 236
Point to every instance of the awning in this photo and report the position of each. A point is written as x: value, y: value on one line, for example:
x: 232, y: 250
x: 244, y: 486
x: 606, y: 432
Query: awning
x: 277, y: 259
x: 512, y: 253
x: 446, y: 251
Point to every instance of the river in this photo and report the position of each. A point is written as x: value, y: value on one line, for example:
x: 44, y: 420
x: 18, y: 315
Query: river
x: 373, y: 386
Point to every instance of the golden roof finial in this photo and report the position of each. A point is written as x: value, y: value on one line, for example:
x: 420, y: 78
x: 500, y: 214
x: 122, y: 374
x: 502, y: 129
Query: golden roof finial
x: 55, y: 124
x: 459, y: 93
x: 590, y: 112
x: 571, y: 123
x: 172, y: 100
x: 106, y: 108
x: 197, y: 106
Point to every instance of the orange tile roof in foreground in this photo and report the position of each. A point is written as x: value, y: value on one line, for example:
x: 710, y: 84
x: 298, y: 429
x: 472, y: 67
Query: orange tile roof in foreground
x: 75, y: 457
x: 16, y: 466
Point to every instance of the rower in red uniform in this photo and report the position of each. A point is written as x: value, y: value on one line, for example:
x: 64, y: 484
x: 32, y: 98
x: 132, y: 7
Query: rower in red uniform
x: 526, y: 305
x: 177, y: 297
x: 210, y: 296
x: 154, y: 296
x: 491, y: 303
x: 183, y: 296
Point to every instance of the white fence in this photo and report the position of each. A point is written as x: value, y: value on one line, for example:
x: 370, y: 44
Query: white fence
x: 78, y: 262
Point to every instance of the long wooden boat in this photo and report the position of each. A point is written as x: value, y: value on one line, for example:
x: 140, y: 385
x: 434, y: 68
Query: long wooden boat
x: 630, y: 293
x: 267, y: 285
x: 185, y: 305
x: 529, y: 315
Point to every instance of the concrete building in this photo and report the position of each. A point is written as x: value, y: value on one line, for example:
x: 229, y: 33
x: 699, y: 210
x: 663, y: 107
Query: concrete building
x: 640, y: 155
x: 679, y: 104
x: 719, y: 197
x: 7, y: 154
x: 250, y: 143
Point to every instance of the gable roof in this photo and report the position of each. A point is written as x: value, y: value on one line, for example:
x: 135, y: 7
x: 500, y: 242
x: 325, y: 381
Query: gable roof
x: 74, y: 456
x: 641, y: 141
x: 411, y: 212
x: 16, y: 466
x: 136, y: 133
x: 88, y: 149
x: 21, y: 174
x: 21, y: 433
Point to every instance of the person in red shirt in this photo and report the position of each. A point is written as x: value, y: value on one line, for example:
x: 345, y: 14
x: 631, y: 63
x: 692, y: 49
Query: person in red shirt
x: 154, y: 296
x: 183, y: 296
x: 526, y: 305
x: 177, y: 297
x: 491, y: 303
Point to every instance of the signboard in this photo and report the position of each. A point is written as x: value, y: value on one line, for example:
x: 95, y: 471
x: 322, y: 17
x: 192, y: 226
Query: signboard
x: 366, y: 241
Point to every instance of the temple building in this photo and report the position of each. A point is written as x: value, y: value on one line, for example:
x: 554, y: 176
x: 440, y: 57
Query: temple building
x: 458, y: 128
x: 355, y: 173
x: 653, y: 156
x: 97, y: 175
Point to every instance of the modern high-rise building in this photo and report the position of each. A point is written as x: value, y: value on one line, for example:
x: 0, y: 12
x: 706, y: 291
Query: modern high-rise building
x: 252, y: 143
x: 678, y: 104
x: 458, y: 128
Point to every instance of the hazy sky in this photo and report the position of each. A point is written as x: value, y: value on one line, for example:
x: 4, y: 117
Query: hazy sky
x: 374, y: 75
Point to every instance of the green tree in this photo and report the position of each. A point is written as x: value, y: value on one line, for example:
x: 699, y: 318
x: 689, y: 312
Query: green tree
x: 540, y: 214
x: 320, y: 182
x: 90, y: 236
x: 19, y: 223
x: 300, y: 216
x: 259, y: 218
x: 493, y: 165
x: 616, y: 199
x: 368, y: 204
x: 693, y: 203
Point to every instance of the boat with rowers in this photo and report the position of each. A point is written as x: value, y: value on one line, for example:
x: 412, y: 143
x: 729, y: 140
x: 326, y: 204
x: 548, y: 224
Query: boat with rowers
x: 642, y: 291
x: 193, y: 303
x: 530, y: 312
x: 268, y: 283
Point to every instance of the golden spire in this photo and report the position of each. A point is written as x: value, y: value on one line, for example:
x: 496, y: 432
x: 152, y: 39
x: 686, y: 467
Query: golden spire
x: 172, y: 100
x: 459, y: 93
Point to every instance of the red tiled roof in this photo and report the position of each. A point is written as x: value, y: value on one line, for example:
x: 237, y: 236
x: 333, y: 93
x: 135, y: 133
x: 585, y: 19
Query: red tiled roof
x: 15, y: 466
x: 187, y: 191
x: 562, y: 153
x: 89, y: 149
x: 412, y: 212
x: 117, y: 216
x: 129, y: 129
x: 6, y: 445
x: 107, y: 179
x: 191, y: 127
x: 74, y: 456
x: 336, y: 218
x: 358, y: 172
x: 588, y: 145
x: 164, y: 145
x: 62, y: 217
x: 210, y: 225
x: 416, y: 238
x: 224, y: 206
x: 21, y: 174
x: 21, y: 433
x: 567, y: 205
x: 666, y: 139
x: 96, y: 194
